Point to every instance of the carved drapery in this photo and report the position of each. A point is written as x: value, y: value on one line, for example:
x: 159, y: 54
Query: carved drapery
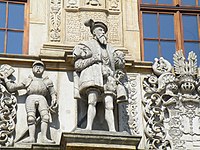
x: 8, y: 104
x: 55, y: 21
x: 172, y: 104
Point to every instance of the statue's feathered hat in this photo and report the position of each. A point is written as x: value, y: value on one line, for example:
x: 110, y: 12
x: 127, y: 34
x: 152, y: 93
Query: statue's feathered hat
x: 90, y: 23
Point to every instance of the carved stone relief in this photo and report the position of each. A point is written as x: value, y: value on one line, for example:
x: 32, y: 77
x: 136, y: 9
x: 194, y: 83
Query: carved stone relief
x: 93, y: 2
x: 72, y: 3
x: 75, y: 30
x: 115, y: 33
x: 72, y: 27
x: 128, y: 112
x: 55, y: 21
x: 40, y: 100
x: 172, y: 104
x: 8, y: 107
x: 114, y: 5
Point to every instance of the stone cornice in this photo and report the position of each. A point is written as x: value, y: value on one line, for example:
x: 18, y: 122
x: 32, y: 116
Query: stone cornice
x: 62, y: 60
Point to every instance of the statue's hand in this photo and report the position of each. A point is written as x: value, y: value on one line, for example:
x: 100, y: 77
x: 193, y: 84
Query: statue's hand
x: 97, y: 58
x: 4, y: 78
x: 54, y: 106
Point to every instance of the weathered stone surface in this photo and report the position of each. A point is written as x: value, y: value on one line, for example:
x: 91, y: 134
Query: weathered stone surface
x: 99, y: 140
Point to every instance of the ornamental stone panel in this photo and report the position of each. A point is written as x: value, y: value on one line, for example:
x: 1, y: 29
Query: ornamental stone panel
x: 172, y: 104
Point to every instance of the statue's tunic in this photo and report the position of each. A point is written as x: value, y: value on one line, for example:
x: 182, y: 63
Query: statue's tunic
x: 94, y: 66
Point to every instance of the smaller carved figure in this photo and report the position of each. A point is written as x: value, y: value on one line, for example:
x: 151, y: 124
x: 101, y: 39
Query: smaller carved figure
x: 114, y: 4
x: 93, y: 2
x: 37, y: 89
x: 72, y: 3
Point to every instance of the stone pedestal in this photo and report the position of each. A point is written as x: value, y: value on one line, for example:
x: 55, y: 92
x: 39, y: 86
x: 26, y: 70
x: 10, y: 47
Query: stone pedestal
x: 99, y: 140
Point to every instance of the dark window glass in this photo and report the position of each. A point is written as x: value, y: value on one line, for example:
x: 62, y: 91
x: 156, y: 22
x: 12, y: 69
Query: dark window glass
x: 151, y: 50
x: 190, y: 27
x: 2, y: 14
x: 14, y: 42
x: 168, y: 49
x: 188, y: 2
x: 150, y: 25
x: 16, y: 16
x: 166, y: 26
x: 2, y: 35
x: 195, y: 47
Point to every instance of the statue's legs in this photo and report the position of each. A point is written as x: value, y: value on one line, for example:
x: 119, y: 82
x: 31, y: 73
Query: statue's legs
x: 91, y: 113
x: 109, y: 115
x: 31, y: 128
x: 44, y: 126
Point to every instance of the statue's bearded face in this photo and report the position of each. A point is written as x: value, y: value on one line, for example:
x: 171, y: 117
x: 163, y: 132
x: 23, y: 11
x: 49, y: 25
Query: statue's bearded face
x: 100, y: 35
x: 38, y: 70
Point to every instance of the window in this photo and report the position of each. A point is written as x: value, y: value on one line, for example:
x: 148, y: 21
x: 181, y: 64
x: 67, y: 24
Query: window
x: 14, y: 26
x: 169, y: 25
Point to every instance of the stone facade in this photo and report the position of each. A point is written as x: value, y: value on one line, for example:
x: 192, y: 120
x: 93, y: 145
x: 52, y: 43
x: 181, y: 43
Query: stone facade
x: 162, y: 110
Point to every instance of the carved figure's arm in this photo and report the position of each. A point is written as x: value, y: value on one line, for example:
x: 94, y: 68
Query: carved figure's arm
x: 119, y: 59
x: 81, y: 64
x: 84, y: 57
x: 12, y: 87
x: 52, y: 92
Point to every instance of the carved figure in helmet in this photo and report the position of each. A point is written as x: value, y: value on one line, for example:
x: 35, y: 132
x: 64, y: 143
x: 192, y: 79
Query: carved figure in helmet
x: 37, y: 88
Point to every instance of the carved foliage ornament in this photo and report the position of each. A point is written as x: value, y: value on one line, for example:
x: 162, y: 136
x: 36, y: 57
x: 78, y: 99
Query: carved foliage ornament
x: 172, y: 104
x: 8, y: 104
x: 55, y: 21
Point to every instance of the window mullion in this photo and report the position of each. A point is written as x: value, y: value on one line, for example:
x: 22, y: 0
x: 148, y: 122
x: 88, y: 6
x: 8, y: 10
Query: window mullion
x: 6, y: 29
x: 142, y: 35
x: 26, y: 27
x: 178, y: 30
x: 159, y: 46
x: 198, y: 21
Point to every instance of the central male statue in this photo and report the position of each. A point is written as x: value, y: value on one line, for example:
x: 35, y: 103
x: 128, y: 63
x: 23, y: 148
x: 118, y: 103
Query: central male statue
x: 95, y: 64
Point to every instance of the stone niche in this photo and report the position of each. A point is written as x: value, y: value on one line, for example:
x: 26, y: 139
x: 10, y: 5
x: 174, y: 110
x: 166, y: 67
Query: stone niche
x: 172, y: 104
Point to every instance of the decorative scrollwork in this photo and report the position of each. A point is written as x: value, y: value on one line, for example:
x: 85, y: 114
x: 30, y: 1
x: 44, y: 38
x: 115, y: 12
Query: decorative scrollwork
x: 171, y: 104
x: 8, y: 104
x: 55, y: 21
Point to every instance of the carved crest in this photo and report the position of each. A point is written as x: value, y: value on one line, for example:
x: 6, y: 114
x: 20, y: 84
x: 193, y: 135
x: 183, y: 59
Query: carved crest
x: 172, y: 104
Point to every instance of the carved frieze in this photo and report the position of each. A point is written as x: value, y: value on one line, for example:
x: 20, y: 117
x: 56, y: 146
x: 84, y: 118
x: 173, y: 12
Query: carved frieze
x: 55, y: 21
x: 172, y: 104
